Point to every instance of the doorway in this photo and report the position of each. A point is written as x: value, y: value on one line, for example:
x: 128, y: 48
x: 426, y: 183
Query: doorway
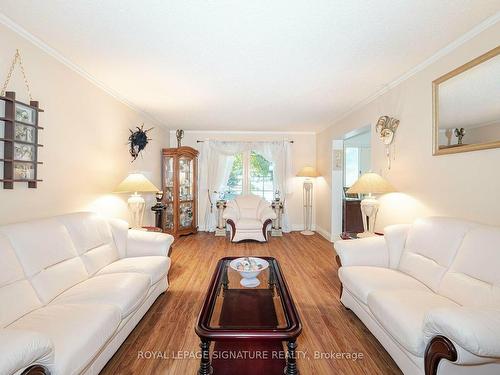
x: 354, y: 151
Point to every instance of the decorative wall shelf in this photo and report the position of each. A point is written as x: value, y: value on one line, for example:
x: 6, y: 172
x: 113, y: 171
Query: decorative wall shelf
x: 19, y: 137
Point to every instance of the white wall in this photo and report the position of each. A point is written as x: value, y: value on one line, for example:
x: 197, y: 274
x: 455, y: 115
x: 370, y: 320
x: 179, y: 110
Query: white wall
x: 303, y: 153
x: 85, y: 150
x: 462, y: 185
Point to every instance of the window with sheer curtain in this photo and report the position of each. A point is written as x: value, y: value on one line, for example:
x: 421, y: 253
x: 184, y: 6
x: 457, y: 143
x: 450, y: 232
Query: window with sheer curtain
x: 251, y: 173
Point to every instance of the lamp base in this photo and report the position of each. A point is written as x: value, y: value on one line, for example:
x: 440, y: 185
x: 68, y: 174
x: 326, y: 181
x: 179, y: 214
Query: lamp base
x: 307, y: 232
x: 369, y: 209
x: 136, y: 205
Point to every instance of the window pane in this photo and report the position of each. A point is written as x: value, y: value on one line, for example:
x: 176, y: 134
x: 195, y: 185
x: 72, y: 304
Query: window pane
x: 235, y: 181
x: 351, y: 165
x: 261, y: 176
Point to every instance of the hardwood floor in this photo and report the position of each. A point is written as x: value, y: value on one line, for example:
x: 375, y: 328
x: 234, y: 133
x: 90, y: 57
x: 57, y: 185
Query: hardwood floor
x: 157, y: 343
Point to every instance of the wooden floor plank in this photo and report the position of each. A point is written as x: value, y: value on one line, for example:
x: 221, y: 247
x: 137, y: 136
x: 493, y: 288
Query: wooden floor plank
x: 308, y: 264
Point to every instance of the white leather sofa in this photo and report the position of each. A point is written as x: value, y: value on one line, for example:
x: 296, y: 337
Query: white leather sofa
x: 430, y: 293
x: 249, y: 217
x: 72, y: 288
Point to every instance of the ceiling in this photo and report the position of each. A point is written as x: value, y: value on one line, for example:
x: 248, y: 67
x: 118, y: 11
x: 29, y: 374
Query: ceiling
x: 281, y: 65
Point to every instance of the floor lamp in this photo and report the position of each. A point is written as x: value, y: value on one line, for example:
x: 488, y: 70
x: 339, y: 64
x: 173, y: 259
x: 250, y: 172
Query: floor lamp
x: 309, y: 173
x: 370, y: 183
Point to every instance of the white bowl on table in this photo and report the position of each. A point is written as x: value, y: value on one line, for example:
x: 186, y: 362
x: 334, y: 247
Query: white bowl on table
x: 249, y: 268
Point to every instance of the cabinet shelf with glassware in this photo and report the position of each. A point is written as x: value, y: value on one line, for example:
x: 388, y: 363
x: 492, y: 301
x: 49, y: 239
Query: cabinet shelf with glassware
x: 179, y: 184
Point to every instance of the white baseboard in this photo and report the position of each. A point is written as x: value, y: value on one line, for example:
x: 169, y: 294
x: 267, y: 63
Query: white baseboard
x: 324, y: 233
x: 300, y: 227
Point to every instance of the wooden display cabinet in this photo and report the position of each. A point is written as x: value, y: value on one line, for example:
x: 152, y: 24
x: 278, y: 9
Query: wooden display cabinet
x: 180, y: 190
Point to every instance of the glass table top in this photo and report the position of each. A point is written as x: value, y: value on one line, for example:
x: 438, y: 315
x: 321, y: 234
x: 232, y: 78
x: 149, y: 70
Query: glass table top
x: 231, y: 308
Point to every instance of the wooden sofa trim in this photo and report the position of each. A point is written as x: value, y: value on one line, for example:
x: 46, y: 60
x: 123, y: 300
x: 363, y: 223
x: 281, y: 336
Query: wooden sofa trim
x: 339, y: 263
x: 264, y: 228
x: 36, y: 370
x: 233, y: 228
x: 438, y: 348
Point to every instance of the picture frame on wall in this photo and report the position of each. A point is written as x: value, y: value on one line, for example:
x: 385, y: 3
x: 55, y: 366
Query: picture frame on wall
x: 24, y: 171
x: 24, y: 152
x: 24, y: 133
x: 25, y: 114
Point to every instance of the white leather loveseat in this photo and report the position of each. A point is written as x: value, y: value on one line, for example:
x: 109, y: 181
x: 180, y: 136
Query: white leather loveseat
x: 249, y: 217
x: 430, y: 293
x: 72, y: 288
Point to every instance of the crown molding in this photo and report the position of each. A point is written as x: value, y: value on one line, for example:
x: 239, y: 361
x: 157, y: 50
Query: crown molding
x: 486, y: 24
x: 15, y: 27
x: 249, y: 132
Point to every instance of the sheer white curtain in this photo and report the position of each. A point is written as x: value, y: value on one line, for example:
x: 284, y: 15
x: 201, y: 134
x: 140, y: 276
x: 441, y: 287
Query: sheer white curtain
x: 217, y: 161
x: 280, y: 154
x: 217, y: 158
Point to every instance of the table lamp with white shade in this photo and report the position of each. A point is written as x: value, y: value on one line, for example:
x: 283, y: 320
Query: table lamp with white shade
x: 136, y: 183
x: 370, y: 183
x: 309, y: 173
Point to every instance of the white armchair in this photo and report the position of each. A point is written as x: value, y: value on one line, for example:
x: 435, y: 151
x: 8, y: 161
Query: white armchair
x: 249, y: 217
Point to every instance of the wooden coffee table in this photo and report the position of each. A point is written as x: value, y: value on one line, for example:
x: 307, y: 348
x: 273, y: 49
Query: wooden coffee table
x: 248, y: 326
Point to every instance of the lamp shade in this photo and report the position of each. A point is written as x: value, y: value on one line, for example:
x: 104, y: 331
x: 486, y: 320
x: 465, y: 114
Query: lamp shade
x: 136, y: 183
x: 308, y: 172
x: 371, y: 183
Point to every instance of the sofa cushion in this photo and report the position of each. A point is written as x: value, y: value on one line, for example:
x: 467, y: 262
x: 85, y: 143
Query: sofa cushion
x: 402, y: 313
x: 362, y: 280
x: 47, y: 255
x: 156, y: 267
x: 78, y: 332
x: 18, y: 298
x: 123, y: 290
x: 92, y: 238
x: 474, y: 278
x: 14, y: 288
x: 431, y: 246
x: 249, y: 224
x: 40, y: 244
x: 21, y: 348
x: 56, y: 279
x: 248, y: 206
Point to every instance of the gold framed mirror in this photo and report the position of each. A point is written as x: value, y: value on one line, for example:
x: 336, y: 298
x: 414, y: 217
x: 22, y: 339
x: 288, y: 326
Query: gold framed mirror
x: 466, y: 106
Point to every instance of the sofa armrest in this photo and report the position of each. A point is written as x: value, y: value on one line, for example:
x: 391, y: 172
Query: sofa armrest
x: 477, y: 330
x: 230, y: 213
x: 267, y: 214
x: 369, y: 251
x: 142, y: 243
x: 395, y: 238
x: 21, y: 349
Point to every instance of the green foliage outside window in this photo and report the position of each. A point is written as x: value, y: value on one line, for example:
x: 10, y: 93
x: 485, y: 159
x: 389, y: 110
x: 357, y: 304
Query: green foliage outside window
x: 235, y: 181
x: 259, y: 166
x: 260, y: 176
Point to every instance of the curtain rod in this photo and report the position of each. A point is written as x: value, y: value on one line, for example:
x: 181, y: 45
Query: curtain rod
x: 200, y: 141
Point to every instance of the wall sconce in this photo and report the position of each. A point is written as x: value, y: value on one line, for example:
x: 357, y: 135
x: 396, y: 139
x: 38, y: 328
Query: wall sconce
x: 386, y: 129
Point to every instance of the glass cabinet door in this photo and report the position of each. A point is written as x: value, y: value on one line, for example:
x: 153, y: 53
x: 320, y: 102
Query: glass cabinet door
x: 186, y: 189
x: 168, y: 193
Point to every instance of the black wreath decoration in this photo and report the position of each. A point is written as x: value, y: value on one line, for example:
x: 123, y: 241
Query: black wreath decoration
x: 138, y: 140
